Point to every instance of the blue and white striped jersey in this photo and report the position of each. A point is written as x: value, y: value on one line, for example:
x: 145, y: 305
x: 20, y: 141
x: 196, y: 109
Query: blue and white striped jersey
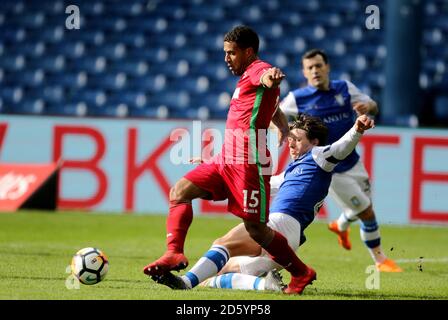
x: 301, y: 189
x: 334, y: 107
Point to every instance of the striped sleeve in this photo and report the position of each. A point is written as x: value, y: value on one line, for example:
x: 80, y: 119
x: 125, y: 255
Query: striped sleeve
x: 289, y: 105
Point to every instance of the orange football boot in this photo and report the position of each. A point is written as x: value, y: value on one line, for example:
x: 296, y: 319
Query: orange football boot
x: 388, y: 265
x: 343, y: 239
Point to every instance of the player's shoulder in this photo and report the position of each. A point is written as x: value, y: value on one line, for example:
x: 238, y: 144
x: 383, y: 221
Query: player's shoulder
x: 261, y: 64
x: 303, y: 92
x: 339, y: 84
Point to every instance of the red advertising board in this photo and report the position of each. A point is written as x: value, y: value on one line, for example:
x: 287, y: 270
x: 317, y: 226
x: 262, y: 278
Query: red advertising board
x: 20, y: 182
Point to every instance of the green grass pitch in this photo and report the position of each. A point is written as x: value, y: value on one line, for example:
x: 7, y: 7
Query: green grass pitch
x: 36, y: 248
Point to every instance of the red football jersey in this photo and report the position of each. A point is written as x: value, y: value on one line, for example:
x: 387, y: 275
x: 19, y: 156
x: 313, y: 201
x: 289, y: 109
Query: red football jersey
x: 251, y: 110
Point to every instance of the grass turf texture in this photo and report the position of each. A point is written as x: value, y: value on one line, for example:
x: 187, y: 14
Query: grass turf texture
x: 36, y: 248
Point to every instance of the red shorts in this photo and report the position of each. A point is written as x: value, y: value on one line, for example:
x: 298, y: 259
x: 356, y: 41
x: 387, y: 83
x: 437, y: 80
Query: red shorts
x: 247, y: 192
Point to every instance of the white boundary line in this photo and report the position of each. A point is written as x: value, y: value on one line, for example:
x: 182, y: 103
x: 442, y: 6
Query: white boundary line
x: 435, y: 260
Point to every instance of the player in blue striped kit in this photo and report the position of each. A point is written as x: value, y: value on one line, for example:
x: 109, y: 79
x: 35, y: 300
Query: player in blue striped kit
x: 337, y: 102
x: 301, y: 191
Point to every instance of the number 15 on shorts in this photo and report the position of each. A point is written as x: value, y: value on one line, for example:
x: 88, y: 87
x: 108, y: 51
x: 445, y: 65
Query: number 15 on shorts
x: 250, y: 198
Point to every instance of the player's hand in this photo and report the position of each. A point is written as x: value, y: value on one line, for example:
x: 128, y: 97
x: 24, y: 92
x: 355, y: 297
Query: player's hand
x: 275, y: 74
x: 364, y: 123
x: 282, y: 137
x: 273, y: 77
x: 361, y: 108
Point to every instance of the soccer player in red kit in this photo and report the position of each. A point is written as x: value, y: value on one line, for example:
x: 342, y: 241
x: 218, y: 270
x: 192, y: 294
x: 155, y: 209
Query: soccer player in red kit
x: 240, y: 173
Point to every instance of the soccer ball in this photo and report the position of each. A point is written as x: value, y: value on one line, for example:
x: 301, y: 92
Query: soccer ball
x: 89, y: 265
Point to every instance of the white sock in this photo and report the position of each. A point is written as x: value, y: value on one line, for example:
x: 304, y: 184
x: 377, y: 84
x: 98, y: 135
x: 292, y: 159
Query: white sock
x: 236, y: 281
x: 370, y: 234
x: 208, y: 265
x: 344, y: 222
x: 377, y: 254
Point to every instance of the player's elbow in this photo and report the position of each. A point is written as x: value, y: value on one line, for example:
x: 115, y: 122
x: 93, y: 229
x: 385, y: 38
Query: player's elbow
x: 373, y: 110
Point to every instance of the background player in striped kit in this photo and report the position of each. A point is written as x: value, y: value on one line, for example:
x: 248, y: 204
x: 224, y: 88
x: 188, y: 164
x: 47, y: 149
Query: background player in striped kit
x: 337, y: 102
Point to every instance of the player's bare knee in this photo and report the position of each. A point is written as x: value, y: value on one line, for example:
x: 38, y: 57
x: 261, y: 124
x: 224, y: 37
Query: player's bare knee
x: 257, y: 231
x: 220, y: 242
x: 179, y: 191
x: 367, y: 214
x: 231, y: 266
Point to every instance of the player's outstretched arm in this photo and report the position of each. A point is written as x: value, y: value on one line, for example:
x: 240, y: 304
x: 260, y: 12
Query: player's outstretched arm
x: 363, y: 123
x: 329, y: 156
x: 279, y: 120
x: 272, y: 77
x: 369, y: 107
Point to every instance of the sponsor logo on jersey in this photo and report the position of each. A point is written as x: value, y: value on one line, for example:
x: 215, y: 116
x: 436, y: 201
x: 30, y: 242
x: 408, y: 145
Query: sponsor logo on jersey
x: 250, y: 210
x: 236, y: 93
x: 339, y: 99
x: 355, y: 201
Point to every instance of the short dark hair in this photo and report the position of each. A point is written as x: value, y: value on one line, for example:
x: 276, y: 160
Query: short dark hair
x: 314, y: 127
x: 314, y: 52
x: 244, y: 37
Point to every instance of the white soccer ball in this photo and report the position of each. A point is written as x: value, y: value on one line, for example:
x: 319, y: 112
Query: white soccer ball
x: 89, y: 265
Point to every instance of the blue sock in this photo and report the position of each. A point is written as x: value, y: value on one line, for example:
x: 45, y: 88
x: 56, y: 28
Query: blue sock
x: 370, y: 234
x: 209, y: 265
x: 236, y: 281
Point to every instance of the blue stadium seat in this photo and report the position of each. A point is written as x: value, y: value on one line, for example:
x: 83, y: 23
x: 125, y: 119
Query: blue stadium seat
x: 150, y: 54
x: 159, y: 112
x: 441, y: 108
x: 11, y: 95
x: 130, y: 67
x: 207, y: 41
x: 112, y: 51
x: 13, y: 62
x: 29, y: 106
x: 91, y: 38
x: 13, y: 34
x: 304, y: 6
x: 75, y: 50
x: 190, y: 27
x: 149, y: 83
x: 131, y: 40
x: 47, y: 63
x: 340, y: 6
x: 89, y: 64
x: 192, y: 55
x: 213, y: 71
x: 213, y: 101
x: 172, y: 68
x: 152, y: 49
x: 199, y: 84
x: 133, y: 99
x: 207, y: 12
x: 67, y: 109
x: 33, y: 49
x: 35, y: 19
x: 49, y: 35
x: 67, y: 79
x: 91, y: 97
x: 108, y: 110
x: 107, y: 81
x: 178, y: 100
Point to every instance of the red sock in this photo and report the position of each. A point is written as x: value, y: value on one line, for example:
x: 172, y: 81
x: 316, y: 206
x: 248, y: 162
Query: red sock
x: 177, y: 224
x: 283, y: 254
